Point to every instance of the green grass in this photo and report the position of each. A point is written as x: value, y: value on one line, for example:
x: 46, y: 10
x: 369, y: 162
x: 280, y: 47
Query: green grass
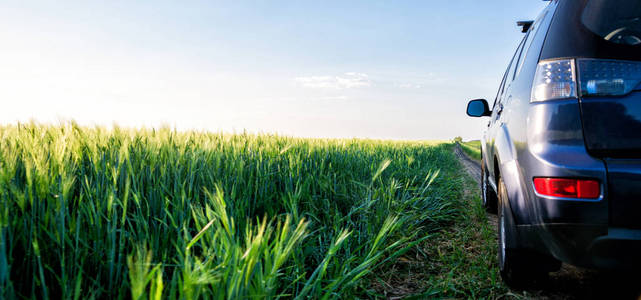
x: 91, y: 212
x: 465, y: 258
x: 472, y: 148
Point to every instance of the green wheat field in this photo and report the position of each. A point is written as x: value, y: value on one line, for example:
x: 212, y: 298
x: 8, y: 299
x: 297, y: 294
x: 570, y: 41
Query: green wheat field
x: 90, y: 212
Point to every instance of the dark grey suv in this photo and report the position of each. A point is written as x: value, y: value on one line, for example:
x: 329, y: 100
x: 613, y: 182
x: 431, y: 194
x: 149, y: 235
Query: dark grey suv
x: 562, y: 150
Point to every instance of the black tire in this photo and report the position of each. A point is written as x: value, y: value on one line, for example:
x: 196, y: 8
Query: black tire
x: 519, y: 268
x: 488, y: 196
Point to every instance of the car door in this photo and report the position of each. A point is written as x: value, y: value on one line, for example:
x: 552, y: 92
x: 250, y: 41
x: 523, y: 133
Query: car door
x: 488, y: 135
x: 502, y: 97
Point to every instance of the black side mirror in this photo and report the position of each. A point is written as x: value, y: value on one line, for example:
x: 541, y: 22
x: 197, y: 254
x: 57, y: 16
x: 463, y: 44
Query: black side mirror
x: 478, y: 108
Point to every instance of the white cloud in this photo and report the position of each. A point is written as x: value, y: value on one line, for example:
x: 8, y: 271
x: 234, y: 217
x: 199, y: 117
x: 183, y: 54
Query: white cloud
x: 413, y: 82
x: 334, y: 98
x: 346, y: 81
x: 409, y: 85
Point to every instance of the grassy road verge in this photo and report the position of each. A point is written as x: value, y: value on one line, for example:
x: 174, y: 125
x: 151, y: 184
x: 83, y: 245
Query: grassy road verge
x: 472, y: 149
x: 463, y: 257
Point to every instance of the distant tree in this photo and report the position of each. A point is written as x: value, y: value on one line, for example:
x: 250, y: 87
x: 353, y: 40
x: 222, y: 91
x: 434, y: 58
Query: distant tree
x: 458, y: 139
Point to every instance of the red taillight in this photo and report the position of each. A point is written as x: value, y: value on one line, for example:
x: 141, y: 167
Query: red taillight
x: 568, y: 188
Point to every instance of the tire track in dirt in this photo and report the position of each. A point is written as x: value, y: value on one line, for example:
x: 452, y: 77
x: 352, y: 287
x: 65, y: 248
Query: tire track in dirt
x: 472, y: 166
x: 569, y: 282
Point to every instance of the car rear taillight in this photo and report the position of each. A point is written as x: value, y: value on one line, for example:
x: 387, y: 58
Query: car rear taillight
x: 557, y: 79
x: 554, y: 80
x: 608, y: 77
x: 568, y: 188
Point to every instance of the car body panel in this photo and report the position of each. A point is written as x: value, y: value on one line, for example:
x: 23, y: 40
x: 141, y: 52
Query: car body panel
x: 618, y: 134
x: 555, y: 148
x: 624, y: 185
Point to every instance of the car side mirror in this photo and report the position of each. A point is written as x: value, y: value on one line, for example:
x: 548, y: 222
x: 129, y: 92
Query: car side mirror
x: 478, y: 108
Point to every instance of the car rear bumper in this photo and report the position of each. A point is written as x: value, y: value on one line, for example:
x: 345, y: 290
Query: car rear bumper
x: 587, y: 245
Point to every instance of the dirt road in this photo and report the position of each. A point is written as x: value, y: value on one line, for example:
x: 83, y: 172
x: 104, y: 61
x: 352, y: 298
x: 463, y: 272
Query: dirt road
x: 570, y: 282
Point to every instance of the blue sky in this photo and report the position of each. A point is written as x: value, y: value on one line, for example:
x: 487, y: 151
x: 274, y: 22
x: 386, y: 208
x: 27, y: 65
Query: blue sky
x: 371, y: 69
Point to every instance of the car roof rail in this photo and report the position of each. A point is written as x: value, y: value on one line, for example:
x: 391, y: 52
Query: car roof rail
x: 525, y: 25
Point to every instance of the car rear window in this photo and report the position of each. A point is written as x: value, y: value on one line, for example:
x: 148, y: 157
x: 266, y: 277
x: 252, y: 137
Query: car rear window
x: 615, y: 21
x: 584, y: 28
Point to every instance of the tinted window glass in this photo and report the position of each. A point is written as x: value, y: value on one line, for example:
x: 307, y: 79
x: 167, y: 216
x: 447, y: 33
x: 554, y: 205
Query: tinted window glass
x: 509, y: 74
x: 569, y: 37
x: 498, y: 93
x: 528, y: 42
x: 515, y: 59
x: 615, y: 21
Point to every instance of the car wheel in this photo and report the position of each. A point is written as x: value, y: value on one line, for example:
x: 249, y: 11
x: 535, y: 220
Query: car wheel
x: 488, y: 197
x: 519, y: 268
